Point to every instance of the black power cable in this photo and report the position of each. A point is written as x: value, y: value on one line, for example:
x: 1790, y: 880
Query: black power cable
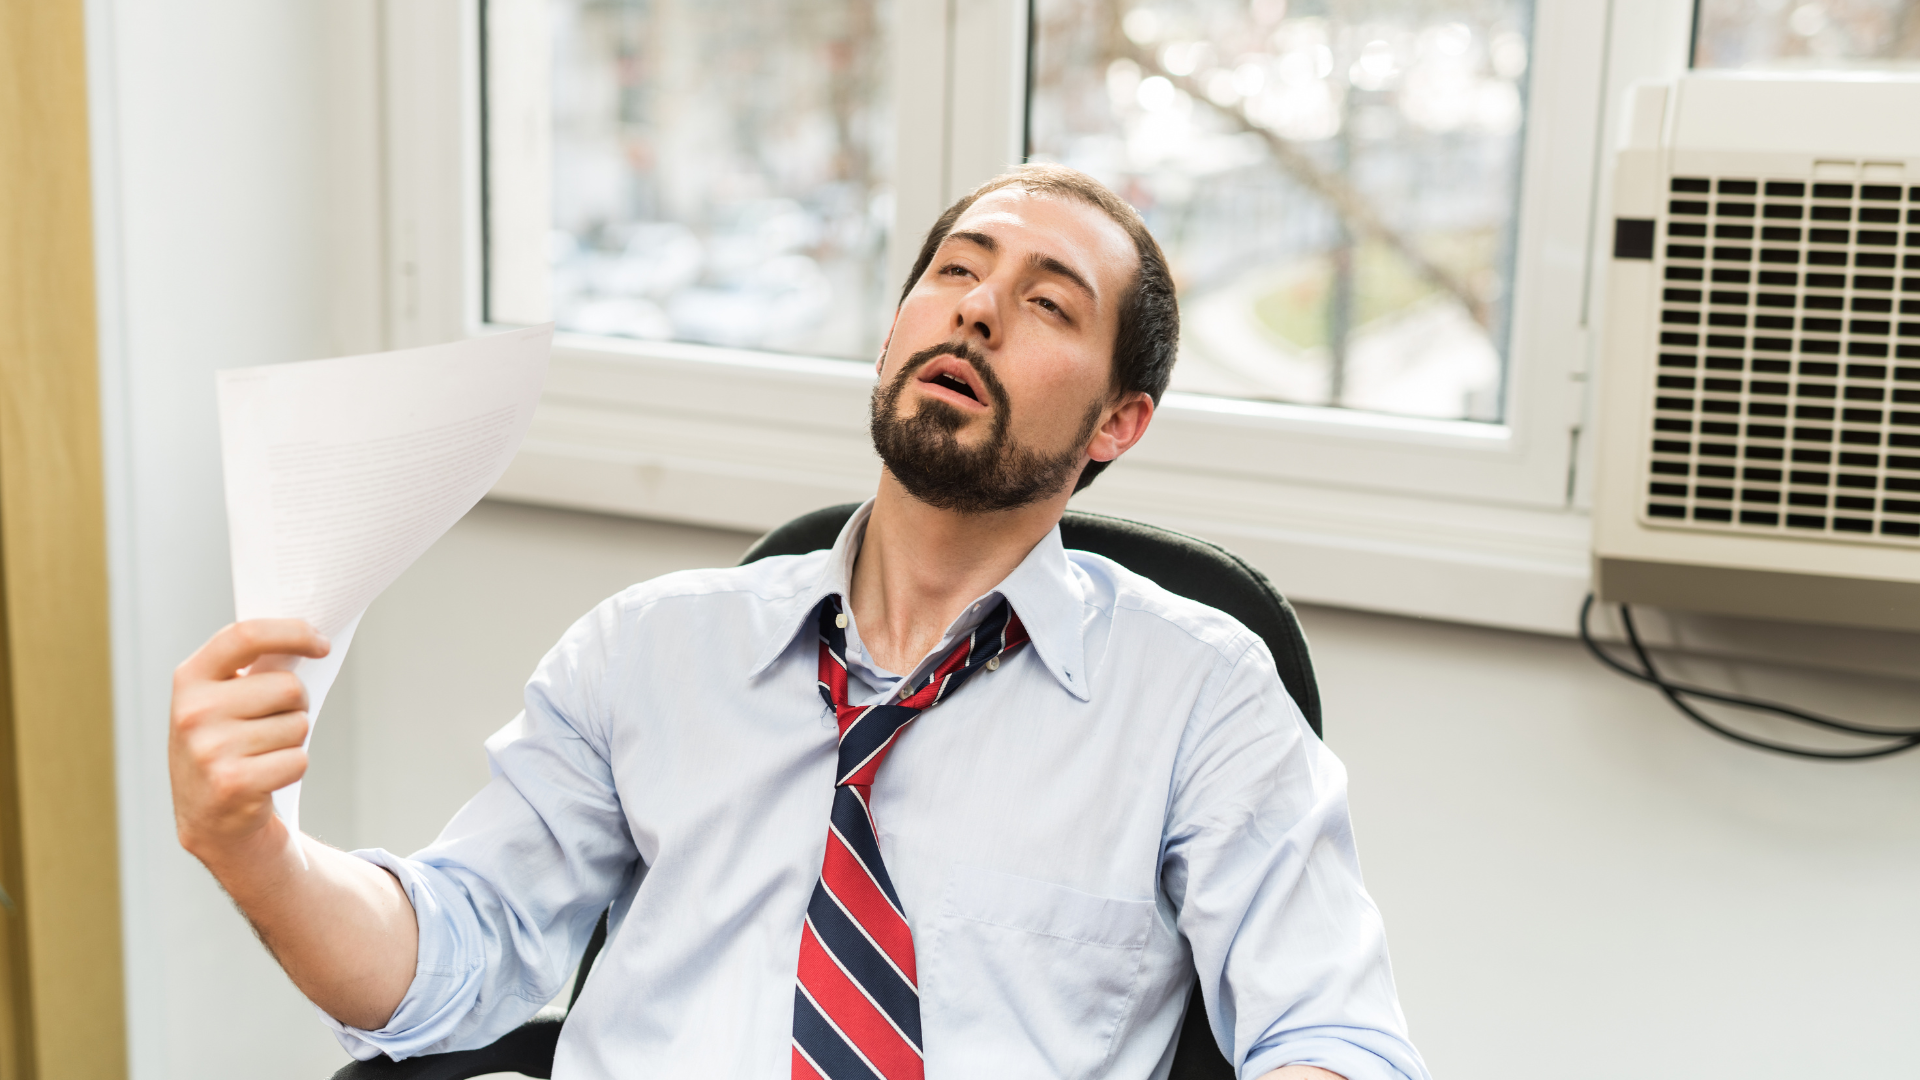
x: 1677, y: 693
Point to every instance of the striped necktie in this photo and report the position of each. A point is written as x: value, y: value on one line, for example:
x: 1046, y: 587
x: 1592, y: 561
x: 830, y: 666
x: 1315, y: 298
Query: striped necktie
x: 856, y: 1008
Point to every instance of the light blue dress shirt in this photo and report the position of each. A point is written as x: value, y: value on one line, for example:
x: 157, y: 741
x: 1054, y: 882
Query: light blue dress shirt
x: 1131, y: 798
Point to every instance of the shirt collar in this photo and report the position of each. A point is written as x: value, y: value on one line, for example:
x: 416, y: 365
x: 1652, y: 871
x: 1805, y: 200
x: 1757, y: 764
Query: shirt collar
x: 1044, y: 591
x: 836, y: 574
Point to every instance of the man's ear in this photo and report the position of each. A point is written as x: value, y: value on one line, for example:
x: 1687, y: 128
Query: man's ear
x: 1123, y: 426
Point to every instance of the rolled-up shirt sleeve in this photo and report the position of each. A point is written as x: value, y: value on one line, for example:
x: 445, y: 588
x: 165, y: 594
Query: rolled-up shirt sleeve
x: 509, y: 893
x: 1260, y: 863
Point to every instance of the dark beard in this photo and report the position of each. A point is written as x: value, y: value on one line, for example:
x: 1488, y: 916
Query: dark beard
x: 923, y: 451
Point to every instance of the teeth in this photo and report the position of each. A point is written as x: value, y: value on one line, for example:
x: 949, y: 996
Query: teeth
x: 958, y: 385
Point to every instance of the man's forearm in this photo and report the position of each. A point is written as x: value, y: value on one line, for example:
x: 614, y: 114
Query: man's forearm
x: 1301, y: 1072
x: 342, y: 927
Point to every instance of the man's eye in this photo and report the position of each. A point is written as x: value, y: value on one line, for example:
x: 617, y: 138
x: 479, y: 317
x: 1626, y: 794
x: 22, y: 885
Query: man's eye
x: 1048, y: 304
x: 954, y: 269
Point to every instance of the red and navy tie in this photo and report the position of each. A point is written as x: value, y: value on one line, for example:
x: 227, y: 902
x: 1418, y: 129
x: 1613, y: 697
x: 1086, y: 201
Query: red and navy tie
x: 856, y: 1010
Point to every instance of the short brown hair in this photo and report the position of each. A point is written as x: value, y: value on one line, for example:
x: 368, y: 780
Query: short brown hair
x: 1149, y: 334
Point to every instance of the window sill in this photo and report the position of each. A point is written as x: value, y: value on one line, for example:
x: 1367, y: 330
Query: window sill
x: 746, y: 440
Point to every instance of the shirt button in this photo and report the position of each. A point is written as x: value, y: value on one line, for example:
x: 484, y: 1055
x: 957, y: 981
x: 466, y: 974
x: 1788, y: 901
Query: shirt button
x: 993, y: 664
x: 840, y: 621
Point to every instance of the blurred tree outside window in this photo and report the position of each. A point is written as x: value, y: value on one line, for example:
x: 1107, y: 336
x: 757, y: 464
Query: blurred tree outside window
x: 1819, y: 33
x: 1336, y: 183
x: 722, y: 172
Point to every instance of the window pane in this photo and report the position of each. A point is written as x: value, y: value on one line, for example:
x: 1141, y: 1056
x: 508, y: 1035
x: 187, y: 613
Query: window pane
x: 1788, y: 33
x: 1336, y: 184
x: 722, y: 172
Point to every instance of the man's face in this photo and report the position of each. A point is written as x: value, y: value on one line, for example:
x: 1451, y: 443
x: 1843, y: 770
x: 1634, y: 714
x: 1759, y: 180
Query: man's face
x: 996, y: 383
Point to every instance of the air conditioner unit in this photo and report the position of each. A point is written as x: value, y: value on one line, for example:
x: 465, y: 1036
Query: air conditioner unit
x: 1759, y: 397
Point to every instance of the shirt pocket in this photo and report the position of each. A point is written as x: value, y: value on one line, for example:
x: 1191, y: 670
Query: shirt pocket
x: 1027, y: 977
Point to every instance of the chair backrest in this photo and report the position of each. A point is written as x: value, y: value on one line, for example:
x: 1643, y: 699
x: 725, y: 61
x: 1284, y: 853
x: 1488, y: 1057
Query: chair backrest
x: 1177, y: 562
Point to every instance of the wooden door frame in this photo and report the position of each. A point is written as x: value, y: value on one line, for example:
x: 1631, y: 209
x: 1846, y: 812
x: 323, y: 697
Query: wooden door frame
x: 62, y: 996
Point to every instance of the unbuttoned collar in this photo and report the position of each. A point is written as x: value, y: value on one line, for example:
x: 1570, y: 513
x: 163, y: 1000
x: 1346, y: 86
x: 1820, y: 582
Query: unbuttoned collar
x: 1044, y: 591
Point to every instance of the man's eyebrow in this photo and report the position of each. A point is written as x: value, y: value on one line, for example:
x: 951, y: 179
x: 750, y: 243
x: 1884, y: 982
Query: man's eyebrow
x: 1047, y: 264
x: 979, y: 239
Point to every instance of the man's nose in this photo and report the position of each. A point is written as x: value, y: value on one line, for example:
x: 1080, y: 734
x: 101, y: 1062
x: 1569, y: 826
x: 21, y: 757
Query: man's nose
x: 978, y: 315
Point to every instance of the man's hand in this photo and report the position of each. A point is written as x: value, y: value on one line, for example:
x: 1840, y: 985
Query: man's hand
x: 236, y: 738
x: 1301, y: 1072
x: 342, y: 928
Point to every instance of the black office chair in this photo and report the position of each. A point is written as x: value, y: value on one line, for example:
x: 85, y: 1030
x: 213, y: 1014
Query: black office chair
x: 1179, y: 563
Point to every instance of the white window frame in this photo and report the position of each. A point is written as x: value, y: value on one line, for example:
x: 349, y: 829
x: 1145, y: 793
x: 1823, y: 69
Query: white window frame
x: 1481, y: 523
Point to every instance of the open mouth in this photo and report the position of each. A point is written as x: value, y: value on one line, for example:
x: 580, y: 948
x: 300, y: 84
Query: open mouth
x: 958, y: 386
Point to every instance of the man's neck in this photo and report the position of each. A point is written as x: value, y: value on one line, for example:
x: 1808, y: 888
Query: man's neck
x: 918, y: 568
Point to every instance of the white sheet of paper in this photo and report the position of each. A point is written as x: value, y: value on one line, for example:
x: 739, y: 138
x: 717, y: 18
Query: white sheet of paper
x: 340, y: 473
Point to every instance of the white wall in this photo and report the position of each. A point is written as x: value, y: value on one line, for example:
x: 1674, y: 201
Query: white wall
x: 1580, y: 883
x: 219, y: 223
x: 1577, y: 882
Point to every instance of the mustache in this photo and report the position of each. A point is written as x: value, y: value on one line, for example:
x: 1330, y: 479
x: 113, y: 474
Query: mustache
x: 959, y: 350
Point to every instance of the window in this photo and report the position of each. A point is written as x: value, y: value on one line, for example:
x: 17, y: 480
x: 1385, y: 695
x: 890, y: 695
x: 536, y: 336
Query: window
x: 1813, y: 33
x: 1336, y: 185
x: 721, y: 173
x: 1383, y: 216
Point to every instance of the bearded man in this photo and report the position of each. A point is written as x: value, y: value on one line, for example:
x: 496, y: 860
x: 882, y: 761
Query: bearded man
x: 945, y: 801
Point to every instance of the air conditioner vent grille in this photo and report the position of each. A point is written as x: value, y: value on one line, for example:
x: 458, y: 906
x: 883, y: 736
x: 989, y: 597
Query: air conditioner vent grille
x: 1786, y: 397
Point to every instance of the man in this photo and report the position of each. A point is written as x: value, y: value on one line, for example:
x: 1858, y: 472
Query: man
x: 946, y: 801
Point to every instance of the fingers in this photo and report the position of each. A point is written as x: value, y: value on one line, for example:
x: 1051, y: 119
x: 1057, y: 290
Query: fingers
x: 262, y: 736
x: 207, y: 748
x: 268, y: 773
x: 263, y: 693
x: 240, y: 786
x: 203, y: 711
x: 238, y: 646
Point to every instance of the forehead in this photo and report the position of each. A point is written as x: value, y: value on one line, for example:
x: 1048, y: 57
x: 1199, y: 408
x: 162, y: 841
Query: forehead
x: 1075, y: 232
